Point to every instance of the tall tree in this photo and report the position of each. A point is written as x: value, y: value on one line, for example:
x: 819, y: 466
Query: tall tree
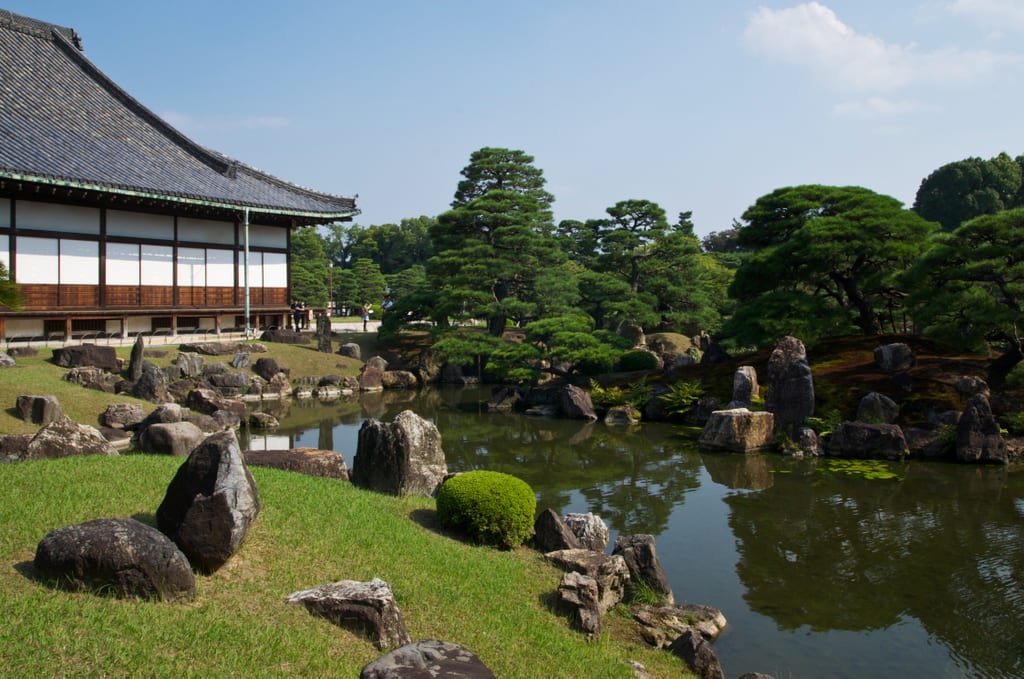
x: 10, y: 295
x: 309, y: 267
x: 969, y: 287
x: 371, y: 285
x: 493, y: 243
x: 825, y: 262
x: 971, y: 187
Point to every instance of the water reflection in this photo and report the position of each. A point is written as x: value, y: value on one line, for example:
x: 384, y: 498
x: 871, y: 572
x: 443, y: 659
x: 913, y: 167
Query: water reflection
x: 819, y: 574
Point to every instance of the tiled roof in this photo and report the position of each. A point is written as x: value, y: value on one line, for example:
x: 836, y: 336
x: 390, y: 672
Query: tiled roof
x: 63, y: 121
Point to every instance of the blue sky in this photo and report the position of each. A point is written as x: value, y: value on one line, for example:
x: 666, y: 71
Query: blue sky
x: 701, y: 106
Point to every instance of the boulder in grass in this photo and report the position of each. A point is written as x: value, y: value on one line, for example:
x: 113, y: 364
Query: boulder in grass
x: 210, y: 503
x: 643, y: 563
x: 87, y: 354
x: 64, y: 437
x: 6, y: 361
x: 609, y: 571
x: 309, y: 461
x: 119, y: 557
x: 42, y: 409
x: 170, y: 438
x: 363, y: 607
x: 578, y: 594
x: 427, y: 658
x: 402, y: 457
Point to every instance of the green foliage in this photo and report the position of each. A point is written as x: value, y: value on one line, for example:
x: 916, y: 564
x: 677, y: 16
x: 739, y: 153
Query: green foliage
x: 638, y: 359
x: 825, y: 424
x: 1014, y: 423
x: 1015, y: 378
x: 641, y: 592
x: 309, y: 271
x: 370, y: 282
x: 10, y: 295
x: 873, y: 470
x: 682, y: 395
x: 962, y: 190
x: 493, y: 508
x: 634, y: 394
x: 466, y: 347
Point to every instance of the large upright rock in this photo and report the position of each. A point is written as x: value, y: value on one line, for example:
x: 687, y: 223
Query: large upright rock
x: 590, y: 529
x: 790, y: 385
x: 122, y: 557
x: 550, y: 533
x: 744, y: 385
x: 39, y: 409
x: 403, y: 457
x: 739, y: 431
x: 575, y: 403
x: 136, y: 358
x: 643, y: 563
x: 190, y: 363
x: 153, y: 384
x: 87, y: 354
x: 978, y: 438
x: 697, y: 653
x: 211, y: 503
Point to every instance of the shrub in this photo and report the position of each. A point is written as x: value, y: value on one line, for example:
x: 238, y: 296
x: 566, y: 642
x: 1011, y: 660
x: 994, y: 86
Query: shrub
x: 491, y: 507
x: 681, y: 395
x: 638, y: 359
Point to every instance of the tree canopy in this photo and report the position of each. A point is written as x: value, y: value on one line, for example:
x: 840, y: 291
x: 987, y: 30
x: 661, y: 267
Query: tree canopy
x: 962, y: 190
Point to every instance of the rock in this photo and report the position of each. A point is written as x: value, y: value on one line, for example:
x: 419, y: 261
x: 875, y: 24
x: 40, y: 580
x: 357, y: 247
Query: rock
x: 14, y: 447
x: 208, y: 401
x: 697, y: 653
x: 241, y: 360
x: 93, y: 378
x: 309, y: 461
x: 403, y: 457
x: 871, y: 441
x: 164, y: 413
x: 744, y: 385
x: 642, y: 561
x: 700, y: 412
x: 210, y: 503
x: 278, y: 384
x: 327, y: 393
x: 282, y: 336
x: 738, y: 430
x: 258, y: 420
x: 978, y: 438
x: 632, y: 333
x: 21, y: 352
x: 216, y: 368
x: 122, y: 557
x: 267, y: 368
x: 895, y: 357
x: 505, y: 399
x: 152, y: 386
x: 226, y: 419
x: 551, y: 534
x: 171, y: 438
x: 610, y: 572
x: 791, y: 387
x: 575, y: 403
x: 877, y: 408
x: 351, y: 350
x: 367, y: 608
x: 122, y: 416
x: 589, y: 529
x: 87, y: 354
x: 453, y: 374
x: 329, y: 381
x: 625, y: 415
x: 661, y: 625
x: 64, y: 437
x: 427, y: 659
x: 807, y: 444
x: 206, y: 423
x: 6, y: 361
x: 236, y: 383
x: 927, y: 443
x: 673, y: 349
x: 39, y: 409
x: 190, y: 364
x: 222, y: 348
x: 579, y: 594
x: 969, y: 386
x: 136, y: 358
x: 398, y: 379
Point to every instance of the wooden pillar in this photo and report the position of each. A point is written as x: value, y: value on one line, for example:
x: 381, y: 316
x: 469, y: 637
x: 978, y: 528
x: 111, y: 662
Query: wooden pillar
x: 67, y: 328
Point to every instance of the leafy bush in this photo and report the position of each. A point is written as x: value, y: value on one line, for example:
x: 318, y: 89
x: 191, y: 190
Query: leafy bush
x: 681, y: 395
x: 1014, y: 423
x: 491, y: 507
x: 638, y: 359
x: 1015, y: 378
x: 634, y: 394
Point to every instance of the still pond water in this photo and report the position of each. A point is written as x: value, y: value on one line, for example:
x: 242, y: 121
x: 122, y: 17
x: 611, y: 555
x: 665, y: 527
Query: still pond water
x: 820, y: 571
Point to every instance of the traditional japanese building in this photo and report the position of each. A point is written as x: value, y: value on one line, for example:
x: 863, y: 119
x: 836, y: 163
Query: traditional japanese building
x: 113, y: 223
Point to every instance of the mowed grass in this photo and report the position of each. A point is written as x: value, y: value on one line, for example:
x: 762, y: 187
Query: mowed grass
x: 40, y: 375
x: 310, y: 531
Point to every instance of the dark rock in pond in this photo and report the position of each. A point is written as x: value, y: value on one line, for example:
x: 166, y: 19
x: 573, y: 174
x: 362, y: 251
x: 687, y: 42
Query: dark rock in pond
x: 122, y: 415
x: 744, y: 385
x: 309, y: 461
x: 610, y: 572
x: 329, y: 381
x: 575, y: 403
x: 895, y: 357
x: 928, y: 443
x: 39, y: 409
x: 86, y: 355
x: 403, y: 457
x: 94, y: 378
x: 551, y: 534
x: 700, y: 412
x: 505, y: 399
x: 136, y: 358
x: 120, y: 557
x: 978, y: 438
x: 427, y: 659
x: 578, y: 594
x: 877, y: 408
x: 371, y: 377
x: 171, y: 438
x: 697, y: 653
x: 190, y: 363
x: 241, y: 360
x: 398, y: 379
x: 867, y: 441
x: 738, y: 430
x: 367, y: 608
x: 453, y: 374
x: 805, y: 444
x: 282, y: 336
x: 152, y: 386
x: 641, y: 559
x: 791, y: 387
x: 351, y: 350
x: 661, y: 625
x: 210, y: 503
x: 267, y: 368
x: 625, y: 415
x: 589, y: 529
x: 64, y: 437
x: 260, y: 420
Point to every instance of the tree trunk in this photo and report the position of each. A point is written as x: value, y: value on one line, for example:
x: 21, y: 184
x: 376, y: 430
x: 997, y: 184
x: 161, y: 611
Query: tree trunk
x: 496, y: 324
x: 1002, y: 366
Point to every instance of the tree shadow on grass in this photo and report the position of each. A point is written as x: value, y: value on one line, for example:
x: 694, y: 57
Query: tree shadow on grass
x: 428, y: 519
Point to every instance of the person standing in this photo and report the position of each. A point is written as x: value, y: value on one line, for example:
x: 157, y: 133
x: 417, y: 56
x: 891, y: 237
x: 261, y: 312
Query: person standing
x: 366, y: 315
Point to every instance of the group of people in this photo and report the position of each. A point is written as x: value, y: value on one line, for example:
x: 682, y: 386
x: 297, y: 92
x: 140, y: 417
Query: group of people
x: 300, y: 315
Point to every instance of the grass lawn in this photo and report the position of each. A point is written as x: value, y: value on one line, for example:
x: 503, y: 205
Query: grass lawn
x: 310, y: 531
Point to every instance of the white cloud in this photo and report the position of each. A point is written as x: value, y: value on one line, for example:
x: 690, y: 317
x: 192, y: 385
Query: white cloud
x: 811, y: 35
x: 999, y: 14
x: 874, y: 107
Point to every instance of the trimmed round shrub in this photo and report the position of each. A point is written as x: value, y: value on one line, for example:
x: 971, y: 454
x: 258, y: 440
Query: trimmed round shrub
x: 638, y: 359
x: 492, y: 508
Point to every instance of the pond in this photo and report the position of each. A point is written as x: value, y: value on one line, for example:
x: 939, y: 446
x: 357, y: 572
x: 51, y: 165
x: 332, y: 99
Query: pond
x: 822, y: 567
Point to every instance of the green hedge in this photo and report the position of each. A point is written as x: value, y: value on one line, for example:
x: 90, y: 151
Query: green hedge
x: 490, y: 507
x: 638, y: 359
